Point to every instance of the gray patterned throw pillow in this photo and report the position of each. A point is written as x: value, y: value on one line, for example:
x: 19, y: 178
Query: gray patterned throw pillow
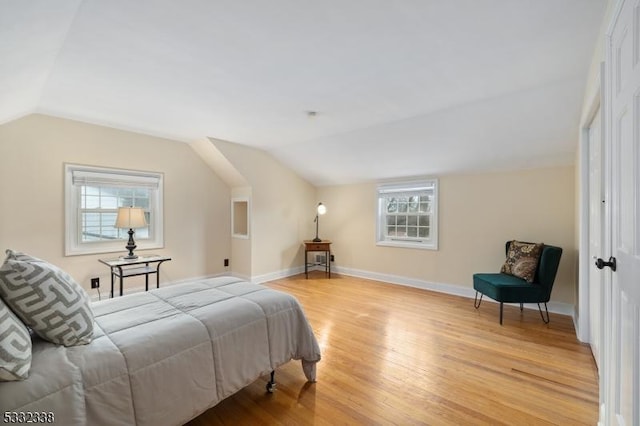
x: 47, y: 299
x: 15, y: 346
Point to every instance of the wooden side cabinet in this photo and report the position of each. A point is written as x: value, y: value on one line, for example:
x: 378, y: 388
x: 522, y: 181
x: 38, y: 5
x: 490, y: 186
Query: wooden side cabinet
x: 322, y: 246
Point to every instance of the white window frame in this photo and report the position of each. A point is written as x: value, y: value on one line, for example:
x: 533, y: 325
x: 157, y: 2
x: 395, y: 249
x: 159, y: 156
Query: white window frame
x: 77, y: 175
x: 424, y: 187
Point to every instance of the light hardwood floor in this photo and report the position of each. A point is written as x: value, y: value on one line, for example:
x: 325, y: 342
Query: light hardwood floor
x: 399, y: 355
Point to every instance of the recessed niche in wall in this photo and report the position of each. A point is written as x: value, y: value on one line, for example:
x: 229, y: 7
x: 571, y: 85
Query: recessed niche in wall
x: 240, y: 217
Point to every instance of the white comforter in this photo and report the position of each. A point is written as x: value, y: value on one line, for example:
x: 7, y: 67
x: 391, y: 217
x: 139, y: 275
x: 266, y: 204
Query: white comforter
x: 164, y: 356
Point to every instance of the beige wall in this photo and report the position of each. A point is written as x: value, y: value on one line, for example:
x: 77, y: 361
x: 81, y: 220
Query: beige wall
x: 478, y: 213
x: 282, y: 210
x: 32, y: 152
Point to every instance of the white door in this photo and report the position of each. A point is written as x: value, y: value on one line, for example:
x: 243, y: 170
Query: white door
x: 596, y: 216
x: 622, y: 298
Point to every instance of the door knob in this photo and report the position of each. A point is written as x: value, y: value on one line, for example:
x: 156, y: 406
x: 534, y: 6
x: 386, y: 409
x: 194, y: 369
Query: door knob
x: 600, y: 264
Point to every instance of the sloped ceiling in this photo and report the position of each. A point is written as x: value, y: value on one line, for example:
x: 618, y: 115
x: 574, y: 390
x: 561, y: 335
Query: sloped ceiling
x: 399, y: 88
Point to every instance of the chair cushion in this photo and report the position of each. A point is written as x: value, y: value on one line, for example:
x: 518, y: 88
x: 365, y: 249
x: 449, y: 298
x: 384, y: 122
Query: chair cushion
x: 508, y: 288
x: 522, y: 260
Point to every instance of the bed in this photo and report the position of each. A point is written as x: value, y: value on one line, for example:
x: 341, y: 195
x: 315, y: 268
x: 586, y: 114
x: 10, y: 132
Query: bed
x: 165, y: 356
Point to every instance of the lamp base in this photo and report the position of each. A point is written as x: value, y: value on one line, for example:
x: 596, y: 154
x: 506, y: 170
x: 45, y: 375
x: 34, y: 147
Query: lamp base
x: 131, y: 245
x: 317, y: 240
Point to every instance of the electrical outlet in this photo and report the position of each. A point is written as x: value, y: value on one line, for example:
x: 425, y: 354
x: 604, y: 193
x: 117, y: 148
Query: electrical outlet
x: 226, y: 262
x: 95, y: 282
x: 333, y: 259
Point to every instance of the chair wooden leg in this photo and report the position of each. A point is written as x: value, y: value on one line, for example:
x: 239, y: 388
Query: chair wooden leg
x: 520, y: 307
x: 546, y: 321
x: 476, y: 302
x: 501, y: 305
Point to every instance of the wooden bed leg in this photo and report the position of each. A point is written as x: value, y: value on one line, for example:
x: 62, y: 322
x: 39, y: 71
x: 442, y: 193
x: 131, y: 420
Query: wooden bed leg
x: 271, y: 384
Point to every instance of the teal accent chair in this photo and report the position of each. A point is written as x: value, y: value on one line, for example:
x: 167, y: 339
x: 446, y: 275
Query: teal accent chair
x: 506, y: 288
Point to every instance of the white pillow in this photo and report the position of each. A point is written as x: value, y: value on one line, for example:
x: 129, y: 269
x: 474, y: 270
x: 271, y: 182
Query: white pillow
x: 15, y: 346
x: 46, y: 299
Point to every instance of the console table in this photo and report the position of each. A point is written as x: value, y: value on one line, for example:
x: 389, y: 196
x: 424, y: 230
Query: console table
x: 313, y: 246
x: 143, y: 265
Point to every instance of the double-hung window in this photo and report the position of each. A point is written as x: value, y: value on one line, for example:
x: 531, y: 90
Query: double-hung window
x: 408, y: 214
x: 92, y: 198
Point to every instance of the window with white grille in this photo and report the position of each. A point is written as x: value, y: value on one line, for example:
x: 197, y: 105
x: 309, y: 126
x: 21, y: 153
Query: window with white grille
x: 92, y: 198
x: 408, y: 214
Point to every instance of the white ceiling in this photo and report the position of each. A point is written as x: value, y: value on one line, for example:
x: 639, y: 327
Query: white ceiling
x: 401, y: 88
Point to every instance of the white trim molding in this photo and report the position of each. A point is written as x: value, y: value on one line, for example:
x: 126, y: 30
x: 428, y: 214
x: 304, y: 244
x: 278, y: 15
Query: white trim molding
x: 593, y: 105
x: 140, y: 288
x: 452, y: 289
x: 283, y: 273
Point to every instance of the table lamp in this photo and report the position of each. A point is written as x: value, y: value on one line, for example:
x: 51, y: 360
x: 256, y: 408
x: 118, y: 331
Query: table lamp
x: 130, y: 217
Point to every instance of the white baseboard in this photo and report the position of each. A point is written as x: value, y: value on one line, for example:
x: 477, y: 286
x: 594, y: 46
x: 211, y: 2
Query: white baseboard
x: 104, y: 293
x: 259, y: 279
x: 452, y: 289
x: 456, y: 290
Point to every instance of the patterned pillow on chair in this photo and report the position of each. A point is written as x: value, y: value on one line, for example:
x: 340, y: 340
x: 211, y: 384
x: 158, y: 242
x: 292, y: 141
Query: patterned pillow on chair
x: 47, y: 299
x: 522, y: 260
x: 15, y: 346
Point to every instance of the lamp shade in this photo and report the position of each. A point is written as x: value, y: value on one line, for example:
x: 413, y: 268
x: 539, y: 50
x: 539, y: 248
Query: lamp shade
x: 130, y: 218
x: 322, y: 209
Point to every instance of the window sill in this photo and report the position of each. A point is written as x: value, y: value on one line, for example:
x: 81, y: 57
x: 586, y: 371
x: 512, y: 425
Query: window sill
x: 108, y: 248
x: 408, y: 244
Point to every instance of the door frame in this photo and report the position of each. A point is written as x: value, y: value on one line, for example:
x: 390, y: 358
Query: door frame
x: 593, y: 105
x: 596, y: 102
